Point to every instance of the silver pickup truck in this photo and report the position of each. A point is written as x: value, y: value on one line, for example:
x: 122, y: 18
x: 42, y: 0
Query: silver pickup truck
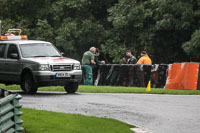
x: 34, y: 64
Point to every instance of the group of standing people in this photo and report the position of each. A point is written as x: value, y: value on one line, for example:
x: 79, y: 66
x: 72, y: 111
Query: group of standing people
x: 144, y: 59
x: 90, y: 62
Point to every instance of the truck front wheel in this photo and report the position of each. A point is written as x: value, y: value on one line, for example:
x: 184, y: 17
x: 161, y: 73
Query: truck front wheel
x: 71, y: 87
x: 28, y: 84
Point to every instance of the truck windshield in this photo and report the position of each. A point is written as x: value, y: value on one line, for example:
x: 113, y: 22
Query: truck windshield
x: 38, y: 50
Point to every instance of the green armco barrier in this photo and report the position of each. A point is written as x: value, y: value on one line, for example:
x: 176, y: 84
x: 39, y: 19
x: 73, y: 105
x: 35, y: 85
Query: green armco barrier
x: 10, y: 121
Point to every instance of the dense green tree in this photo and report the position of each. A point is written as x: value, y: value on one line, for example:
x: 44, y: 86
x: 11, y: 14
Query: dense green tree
x: 192, y: 47
x: 167, y: 29
x: 72, y: 25
x: 158, y: 26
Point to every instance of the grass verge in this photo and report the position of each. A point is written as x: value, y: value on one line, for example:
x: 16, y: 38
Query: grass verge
x: 39, y: 121
x: 111, y: 89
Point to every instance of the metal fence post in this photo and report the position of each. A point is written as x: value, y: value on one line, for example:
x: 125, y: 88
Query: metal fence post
x: 17, y: 114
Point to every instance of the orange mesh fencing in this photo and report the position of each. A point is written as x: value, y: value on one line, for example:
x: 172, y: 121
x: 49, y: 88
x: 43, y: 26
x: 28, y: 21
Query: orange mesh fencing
x: 182, y: 76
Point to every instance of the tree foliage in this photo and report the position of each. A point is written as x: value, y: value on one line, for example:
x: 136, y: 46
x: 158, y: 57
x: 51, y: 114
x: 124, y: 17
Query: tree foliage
x: 158, y: 26
x: 192, y: 47
x: 167, y: 29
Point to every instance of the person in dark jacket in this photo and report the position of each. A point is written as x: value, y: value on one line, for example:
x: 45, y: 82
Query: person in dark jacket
x: 131, y: 59
x: 96, y: 57
x: 96, y: 67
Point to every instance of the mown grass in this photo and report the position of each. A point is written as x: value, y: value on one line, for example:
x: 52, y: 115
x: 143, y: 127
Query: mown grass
x: 111, y: 89
x: 39, y: 121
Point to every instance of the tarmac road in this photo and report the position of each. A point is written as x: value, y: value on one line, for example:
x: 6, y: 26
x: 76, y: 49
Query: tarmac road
x: 153, y: 113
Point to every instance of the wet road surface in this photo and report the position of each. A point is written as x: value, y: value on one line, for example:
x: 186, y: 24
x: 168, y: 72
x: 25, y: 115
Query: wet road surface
x: 154, y: 113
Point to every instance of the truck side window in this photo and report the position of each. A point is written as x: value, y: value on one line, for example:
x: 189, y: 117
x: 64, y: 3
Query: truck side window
x: 2, y: 50
x: 12, y: 50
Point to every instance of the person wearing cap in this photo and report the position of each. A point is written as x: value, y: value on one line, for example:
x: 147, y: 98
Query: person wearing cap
x: 145, y: 59
x: 131, y: 59
x: 87, y: 66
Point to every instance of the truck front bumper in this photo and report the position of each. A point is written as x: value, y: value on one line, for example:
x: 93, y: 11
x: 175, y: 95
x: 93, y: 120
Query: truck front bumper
x: 46, y: 78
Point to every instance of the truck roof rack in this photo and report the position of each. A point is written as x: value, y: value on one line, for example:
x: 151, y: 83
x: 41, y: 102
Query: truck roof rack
x: 14, y: 34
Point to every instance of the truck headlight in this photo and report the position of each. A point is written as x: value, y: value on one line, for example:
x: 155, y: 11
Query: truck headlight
x: 77, y: 67
x: 44, y: 67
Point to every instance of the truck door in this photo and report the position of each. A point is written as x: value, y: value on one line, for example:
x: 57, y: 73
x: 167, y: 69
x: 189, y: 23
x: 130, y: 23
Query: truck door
x: 2, y: 61
x: 12, y: 64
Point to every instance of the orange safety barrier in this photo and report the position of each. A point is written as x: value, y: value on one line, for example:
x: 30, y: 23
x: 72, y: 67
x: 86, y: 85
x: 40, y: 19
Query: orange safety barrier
x: 183, y: 76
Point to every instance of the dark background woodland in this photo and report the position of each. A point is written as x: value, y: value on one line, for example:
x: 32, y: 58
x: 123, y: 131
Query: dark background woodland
x: 169, y: 30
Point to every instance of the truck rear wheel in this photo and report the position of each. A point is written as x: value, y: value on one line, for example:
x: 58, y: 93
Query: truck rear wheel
x: 72, y: 87
x: 28, y: 84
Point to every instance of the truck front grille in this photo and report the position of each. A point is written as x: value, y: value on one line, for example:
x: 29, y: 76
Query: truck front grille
x: 61, y: 67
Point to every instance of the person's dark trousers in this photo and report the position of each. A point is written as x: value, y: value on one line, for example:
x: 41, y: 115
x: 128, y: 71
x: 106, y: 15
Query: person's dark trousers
x: 140, y: 75
x: 87, y: 75
x: 130, y: 76
x: 95, y: 72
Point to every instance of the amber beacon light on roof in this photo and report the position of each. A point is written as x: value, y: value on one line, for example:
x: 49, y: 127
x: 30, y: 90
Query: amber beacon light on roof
x: 13, y: 34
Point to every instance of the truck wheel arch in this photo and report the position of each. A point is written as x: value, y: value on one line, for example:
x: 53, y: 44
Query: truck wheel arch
x: 26, y: 70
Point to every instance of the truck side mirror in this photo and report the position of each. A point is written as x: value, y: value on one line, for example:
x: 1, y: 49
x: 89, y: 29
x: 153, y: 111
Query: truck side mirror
x: 14, y: 56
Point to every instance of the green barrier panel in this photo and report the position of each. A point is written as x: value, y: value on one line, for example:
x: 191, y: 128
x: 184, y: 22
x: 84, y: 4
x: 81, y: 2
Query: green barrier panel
x: 17, y: 114
x: 10, y: 121
x: 6, y: 125
x: 11, y: 130
x: 6, y: 117
x: 6, y: 108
